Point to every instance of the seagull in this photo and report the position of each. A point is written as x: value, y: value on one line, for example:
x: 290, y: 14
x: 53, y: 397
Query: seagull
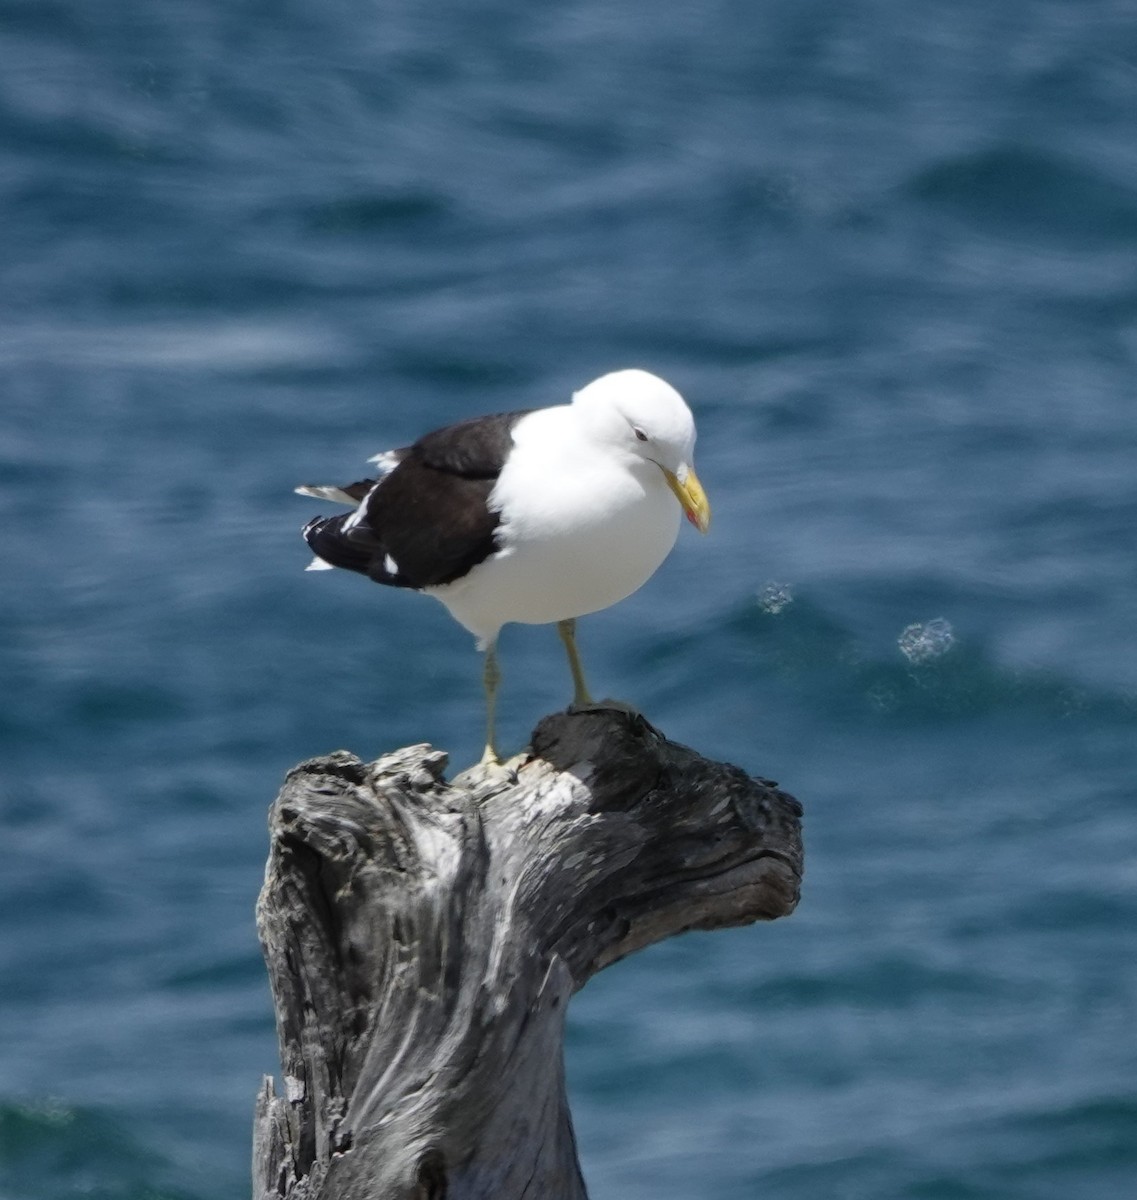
x: 538, y: 516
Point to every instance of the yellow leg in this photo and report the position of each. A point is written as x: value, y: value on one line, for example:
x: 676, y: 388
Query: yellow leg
x: 491, y: 677
x: 567, y: 630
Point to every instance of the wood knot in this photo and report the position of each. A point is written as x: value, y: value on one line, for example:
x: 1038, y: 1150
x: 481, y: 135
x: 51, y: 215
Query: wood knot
x: 430, y: 1178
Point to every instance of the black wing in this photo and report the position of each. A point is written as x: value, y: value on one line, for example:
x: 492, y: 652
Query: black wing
x: 474, y: 449
x: 428, y: 521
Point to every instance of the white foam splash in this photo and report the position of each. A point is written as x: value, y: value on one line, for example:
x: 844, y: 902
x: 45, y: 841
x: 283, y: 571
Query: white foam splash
x: 774, y: 597
x: 921, y: 643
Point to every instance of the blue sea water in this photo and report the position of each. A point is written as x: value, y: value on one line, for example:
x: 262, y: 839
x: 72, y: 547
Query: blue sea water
x: 887, y: 250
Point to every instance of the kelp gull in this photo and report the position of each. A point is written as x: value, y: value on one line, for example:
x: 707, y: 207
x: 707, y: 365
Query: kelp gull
x: 538, y: 516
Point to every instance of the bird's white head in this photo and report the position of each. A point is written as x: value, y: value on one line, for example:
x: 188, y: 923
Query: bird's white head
x: 646, y: 418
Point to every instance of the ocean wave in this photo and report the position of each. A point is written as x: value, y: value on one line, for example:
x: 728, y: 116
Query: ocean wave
x: 808, y: 649
x: 1012, y: 189
x: 49, y: 1148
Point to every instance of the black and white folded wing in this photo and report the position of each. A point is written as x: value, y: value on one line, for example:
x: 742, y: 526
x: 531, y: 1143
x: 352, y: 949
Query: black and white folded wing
x: 427, y: 521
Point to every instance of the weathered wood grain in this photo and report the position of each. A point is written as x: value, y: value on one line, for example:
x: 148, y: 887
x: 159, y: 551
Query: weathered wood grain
x: 423, y: 940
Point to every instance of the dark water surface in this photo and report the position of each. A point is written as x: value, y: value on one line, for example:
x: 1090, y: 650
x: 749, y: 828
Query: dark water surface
x: 888, y: 251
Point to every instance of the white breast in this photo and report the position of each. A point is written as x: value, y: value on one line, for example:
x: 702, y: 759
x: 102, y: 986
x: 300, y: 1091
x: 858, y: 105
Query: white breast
x: 581, y: 530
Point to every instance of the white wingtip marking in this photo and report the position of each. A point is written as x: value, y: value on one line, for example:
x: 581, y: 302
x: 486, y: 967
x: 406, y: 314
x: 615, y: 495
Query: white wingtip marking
x: 386, y: 462
x: 318, y: 564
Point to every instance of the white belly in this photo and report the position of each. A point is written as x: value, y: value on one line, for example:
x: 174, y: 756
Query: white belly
x: 574, y: 541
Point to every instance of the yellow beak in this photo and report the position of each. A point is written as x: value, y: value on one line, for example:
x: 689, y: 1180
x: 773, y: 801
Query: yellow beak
x: 689, y: 492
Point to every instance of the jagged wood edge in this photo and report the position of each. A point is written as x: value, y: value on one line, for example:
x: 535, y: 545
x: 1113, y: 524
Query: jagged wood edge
x: 607, y: 836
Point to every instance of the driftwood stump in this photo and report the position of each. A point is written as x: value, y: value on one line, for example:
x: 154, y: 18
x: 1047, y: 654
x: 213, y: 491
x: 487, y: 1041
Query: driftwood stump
x: 423, y: 940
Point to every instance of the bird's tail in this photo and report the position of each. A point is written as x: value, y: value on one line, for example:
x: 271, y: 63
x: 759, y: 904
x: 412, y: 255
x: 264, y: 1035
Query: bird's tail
x: 351, y: 493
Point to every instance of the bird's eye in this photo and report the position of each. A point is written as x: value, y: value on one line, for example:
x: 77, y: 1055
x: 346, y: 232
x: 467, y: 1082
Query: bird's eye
x: 640, y: 435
